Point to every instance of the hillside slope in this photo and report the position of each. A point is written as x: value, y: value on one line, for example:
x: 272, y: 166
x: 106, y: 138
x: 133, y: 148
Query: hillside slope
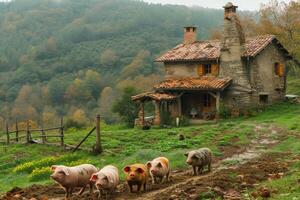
x: 49, y: 45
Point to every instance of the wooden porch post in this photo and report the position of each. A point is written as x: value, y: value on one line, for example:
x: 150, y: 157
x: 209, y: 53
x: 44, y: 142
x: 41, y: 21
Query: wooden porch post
x: 157, y: 113
x: 179, y: 106
x: 218, y: 104
x: 143, y: 113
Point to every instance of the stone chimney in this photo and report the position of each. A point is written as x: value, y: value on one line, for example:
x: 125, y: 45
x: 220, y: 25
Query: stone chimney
x: 231, y: 64
x: 190, y: 34
x: 232, y: 25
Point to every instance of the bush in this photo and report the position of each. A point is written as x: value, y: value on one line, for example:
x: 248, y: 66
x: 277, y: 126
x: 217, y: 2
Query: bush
x: 29, y: 167
x: 224, y: 112
x: 71, y: 123
x: 40, y: 174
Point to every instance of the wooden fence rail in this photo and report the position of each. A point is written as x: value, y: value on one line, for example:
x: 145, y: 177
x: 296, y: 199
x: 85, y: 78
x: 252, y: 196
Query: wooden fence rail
x: 28, y: 133
x: 41, y: 133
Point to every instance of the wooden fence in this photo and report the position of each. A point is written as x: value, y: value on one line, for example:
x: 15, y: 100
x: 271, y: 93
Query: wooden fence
x: 28, y: 134
x: 41, y: 136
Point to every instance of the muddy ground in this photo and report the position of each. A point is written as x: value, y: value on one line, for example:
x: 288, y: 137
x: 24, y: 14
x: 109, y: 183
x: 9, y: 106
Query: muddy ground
x: 252, y: 165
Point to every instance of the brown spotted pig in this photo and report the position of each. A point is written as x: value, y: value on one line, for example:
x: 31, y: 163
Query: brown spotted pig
x: 199, y: 159
x: 73, y: 177
x: 106, y: 180
x: 136, y: 174
x: 158, y: 169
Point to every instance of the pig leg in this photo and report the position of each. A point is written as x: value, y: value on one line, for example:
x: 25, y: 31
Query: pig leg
x: 139, y: 187
x: 66, y: 192
x: 153, y: 178
x: 71, y: 191
x: 82, y: 190
x: 144, y: 187
x: 91, y: 188
x: 168, y: 176
x: 130, y: 187
x: 194, y: 170
x: 200, y: 169
x: 209, y: 167
x: 161, y: 179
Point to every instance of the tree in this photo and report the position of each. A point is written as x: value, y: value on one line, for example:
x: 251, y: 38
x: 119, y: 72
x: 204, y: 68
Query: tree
x: 139, y: 65
x: 108, y: 57
x: 107, y: 96
x: 126, y: 108
x: 283, y: 20
x: 92, y: 82
x: 57, y: 88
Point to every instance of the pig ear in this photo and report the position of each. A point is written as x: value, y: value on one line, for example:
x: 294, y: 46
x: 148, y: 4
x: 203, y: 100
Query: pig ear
x: 159, y: 164
x: 94, y: 178
x: 186, y: 154
x: 66, y: 171
x: 126, y: 169
x: 140, y: 170
x: 148, y: 164
x: 53, y: 167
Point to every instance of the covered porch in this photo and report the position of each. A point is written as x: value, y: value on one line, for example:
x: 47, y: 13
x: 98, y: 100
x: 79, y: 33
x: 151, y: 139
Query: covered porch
x: 196, y: 99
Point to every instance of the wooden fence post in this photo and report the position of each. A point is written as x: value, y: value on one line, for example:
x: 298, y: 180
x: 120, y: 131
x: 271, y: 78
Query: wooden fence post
x: 28, y: 137
x: 7, y: 133
x: 43, y: 134
x: 98, y: 147
x: 62, y: 132
x: 17, y: 131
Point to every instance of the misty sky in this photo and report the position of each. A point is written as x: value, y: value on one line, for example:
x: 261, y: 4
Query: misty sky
x: 243, y: 4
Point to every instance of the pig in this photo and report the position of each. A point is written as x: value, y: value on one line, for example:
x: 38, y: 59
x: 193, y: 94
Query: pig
x: 158, y: 169
x: 106, y: 180
x: 136, y: 174
x: 73, y: 177
x: 199, y: 158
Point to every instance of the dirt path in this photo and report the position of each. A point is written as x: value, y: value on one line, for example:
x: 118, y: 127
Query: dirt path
x: 242, y: 167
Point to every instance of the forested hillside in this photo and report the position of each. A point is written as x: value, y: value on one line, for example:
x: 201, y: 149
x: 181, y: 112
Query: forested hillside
x: 73, y: 57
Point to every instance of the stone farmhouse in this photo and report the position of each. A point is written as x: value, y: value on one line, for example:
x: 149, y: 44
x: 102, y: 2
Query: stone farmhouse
x: 235, y: 73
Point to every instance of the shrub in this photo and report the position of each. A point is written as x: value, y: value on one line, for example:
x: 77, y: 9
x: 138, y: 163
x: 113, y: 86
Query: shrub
x: 28, y: 167
x: 224, y: 112
x: 40, y: 174
x: 71, y: 123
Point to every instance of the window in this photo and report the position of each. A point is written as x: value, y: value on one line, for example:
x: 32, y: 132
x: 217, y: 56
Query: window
x: 279, y: 69
x: 276, y: 68
x: 207, y: 100
x: 207, y: 68
x: 263, y: 99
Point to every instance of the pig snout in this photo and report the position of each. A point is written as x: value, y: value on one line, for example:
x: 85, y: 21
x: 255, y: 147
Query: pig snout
x: 153, y: 171
x: 132, y: 175
x: 99, y: 185
x: 189, y: 162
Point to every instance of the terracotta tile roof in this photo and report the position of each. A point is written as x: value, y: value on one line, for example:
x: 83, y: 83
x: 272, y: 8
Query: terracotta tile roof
x: 155, y: 96
x: 203, y: 83
x: 210, y: 49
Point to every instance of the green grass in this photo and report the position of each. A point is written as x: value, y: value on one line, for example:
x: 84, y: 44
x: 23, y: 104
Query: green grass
x: 293, y: 85
x: 23, y: 165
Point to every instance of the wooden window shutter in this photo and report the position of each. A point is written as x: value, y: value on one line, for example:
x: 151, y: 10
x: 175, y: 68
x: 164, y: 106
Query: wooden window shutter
x: 201, y: 70
x: 281, y: 69
x: 215, y: 69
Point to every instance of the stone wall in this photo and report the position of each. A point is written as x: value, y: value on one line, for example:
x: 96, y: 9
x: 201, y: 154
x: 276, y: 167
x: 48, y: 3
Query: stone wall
x: 262, y: 75
x: 177, y: 70
x: 238, y: 94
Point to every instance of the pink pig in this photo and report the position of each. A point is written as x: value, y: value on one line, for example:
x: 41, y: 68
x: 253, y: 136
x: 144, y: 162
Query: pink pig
x: 159, y: 168
x: 72, y: 177
x: 106, y: 180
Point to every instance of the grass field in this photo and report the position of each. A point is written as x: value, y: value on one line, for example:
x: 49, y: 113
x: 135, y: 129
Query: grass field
x: 23, y: 165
